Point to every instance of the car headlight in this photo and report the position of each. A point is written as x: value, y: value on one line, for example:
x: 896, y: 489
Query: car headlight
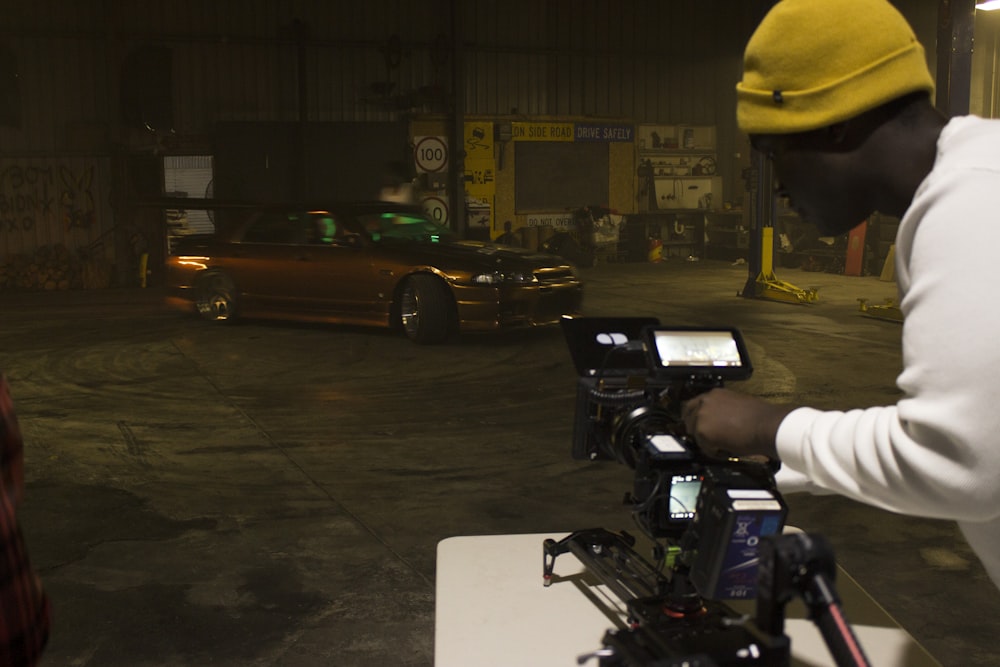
x: 499, y: 277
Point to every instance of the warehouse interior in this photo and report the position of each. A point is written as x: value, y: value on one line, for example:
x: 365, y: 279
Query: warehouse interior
x: 603, y: 124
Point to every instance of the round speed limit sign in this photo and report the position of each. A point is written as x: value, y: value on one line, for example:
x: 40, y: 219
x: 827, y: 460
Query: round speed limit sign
x: 437, y: 209
x: 430, y: 154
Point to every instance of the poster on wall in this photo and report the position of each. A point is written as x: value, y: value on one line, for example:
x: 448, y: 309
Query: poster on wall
x: 479, y: 178
x: 479, y: 140
x: 479, y: 213
x: 480, y: 186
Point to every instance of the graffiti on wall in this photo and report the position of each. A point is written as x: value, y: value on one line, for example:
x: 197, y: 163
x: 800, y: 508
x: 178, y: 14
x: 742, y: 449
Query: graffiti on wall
x: 33, y: 195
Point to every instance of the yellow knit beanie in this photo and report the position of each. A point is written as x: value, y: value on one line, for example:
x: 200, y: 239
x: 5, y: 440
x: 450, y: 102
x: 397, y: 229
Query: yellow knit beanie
x: 813, y: 63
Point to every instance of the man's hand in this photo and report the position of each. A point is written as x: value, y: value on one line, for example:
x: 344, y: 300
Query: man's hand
x: 726, y: 423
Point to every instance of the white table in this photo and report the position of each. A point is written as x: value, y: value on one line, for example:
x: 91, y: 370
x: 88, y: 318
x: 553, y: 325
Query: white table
x: 493, y: 609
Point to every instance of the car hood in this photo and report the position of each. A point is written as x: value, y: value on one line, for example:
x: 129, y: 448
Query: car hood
x: 484, y: 254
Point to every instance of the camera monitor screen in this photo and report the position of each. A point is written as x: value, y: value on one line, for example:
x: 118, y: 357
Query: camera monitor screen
x: 684, y: 490
x: 685, y: 351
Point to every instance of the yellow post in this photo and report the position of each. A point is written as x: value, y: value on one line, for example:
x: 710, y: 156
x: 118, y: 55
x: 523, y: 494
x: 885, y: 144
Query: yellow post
x: 767, y: 252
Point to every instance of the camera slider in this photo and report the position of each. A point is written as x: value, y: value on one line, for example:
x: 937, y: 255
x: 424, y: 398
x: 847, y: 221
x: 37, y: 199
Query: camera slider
x: 668, y: 622
x: 670, y: 625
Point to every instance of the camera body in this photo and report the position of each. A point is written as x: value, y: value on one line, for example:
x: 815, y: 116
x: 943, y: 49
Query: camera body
x: 617, y: 404
x: 716, y: 525
x: 713, y: 512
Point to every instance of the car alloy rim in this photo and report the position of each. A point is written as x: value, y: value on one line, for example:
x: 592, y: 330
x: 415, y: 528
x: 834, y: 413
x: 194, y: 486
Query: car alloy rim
x: 216, y: 302
x: 216, y: 307
x: 220, y: 307
x: 410, y: 310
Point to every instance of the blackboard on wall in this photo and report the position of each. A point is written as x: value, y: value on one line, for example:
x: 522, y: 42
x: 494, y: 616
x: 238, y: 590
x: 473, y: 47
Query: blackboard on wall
x: 551, y: 176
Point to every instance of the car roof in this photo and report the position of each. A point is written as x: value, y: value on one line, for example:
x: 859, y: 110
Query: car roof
x: 354, y: 207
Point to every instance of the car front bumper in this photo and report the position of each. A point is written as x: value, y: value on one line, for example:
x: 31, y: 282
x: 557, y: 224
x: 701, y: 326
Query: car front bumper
x: 513, y: 306
x: 180, y: 298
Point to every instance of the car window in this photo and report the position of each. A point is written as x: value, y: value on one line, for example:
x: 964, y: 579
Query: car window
x: 274, y: 227
x: 328, y: 229
x: 403, y: 225
x: 333, y: 229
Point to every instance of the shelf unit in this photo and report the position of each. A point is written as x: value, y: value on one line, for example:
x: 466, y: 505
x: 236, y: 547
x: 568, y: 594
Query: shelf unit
x: 678, y: 167
x: 680, y: 232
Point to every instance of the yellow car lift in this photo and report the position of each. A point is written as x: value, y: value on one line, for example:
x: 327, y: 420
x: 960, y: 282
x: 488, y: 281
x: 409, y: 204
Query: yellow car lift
x: 887, y: 311
x: 767, y: 284
x: 761, y: 282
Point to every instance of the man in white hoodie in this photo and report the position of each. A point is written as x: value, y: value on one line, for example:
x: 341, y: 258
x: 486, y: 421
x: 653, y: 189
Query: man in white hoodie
x: 838, y: 95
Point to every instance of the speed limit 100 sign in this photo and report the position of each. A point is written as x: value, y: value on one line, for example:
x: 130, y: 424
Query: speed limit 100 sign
x: 430, y: 154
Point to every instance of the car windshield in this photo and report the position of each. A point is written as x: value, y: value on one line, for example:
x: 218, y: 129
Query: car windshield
x: 405, y: 225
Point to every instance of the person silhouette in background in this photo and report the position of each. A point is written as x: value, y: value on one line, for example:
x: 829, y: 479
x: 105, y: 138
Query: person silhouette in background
x: 397, y: 184
x: 509, y: 237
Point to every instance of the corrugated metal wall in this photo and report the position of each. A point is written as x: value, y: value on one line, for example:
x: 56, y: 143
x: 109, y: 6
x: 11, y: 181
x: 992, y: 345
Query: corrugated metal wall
x: 664, y: 61
x: 985, y: 94
x: 649, y: 60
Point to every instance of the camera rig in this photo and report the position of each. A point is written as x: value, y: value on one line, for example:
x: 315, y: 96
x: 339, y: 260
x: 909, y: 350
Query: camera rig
x: 716, y: 526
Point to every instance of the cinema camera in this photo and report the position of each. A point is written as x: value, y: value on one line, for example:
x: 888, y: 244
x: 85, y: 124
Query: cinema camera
x: 715, y: 526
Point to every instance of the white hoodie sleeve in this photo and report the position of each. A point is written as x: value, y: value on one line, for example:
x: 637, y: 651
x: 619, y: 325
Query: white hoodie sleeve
x: 936, y: 453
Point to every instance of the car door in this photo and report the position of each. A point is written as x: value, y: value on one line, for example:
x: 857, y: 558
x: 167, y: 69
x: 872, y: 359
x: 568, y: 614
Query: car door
x: 336, y: 268
x: 263, y: 262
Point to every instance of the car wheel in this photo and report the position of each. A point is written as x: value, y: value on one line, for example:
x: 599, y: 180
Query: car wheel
x: 425, y: 310
x: 215, y: 298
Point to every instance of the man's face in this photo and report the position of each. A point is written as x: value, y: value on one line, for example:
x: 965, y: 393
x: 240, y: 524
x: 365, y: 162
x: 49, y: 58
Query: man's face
x: 818, y: 177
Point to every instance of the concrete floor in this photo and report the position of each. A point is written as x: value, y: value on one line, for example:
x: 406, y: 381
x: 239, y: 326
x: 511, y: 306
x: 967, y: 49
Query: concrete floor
x: 273, y: 494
